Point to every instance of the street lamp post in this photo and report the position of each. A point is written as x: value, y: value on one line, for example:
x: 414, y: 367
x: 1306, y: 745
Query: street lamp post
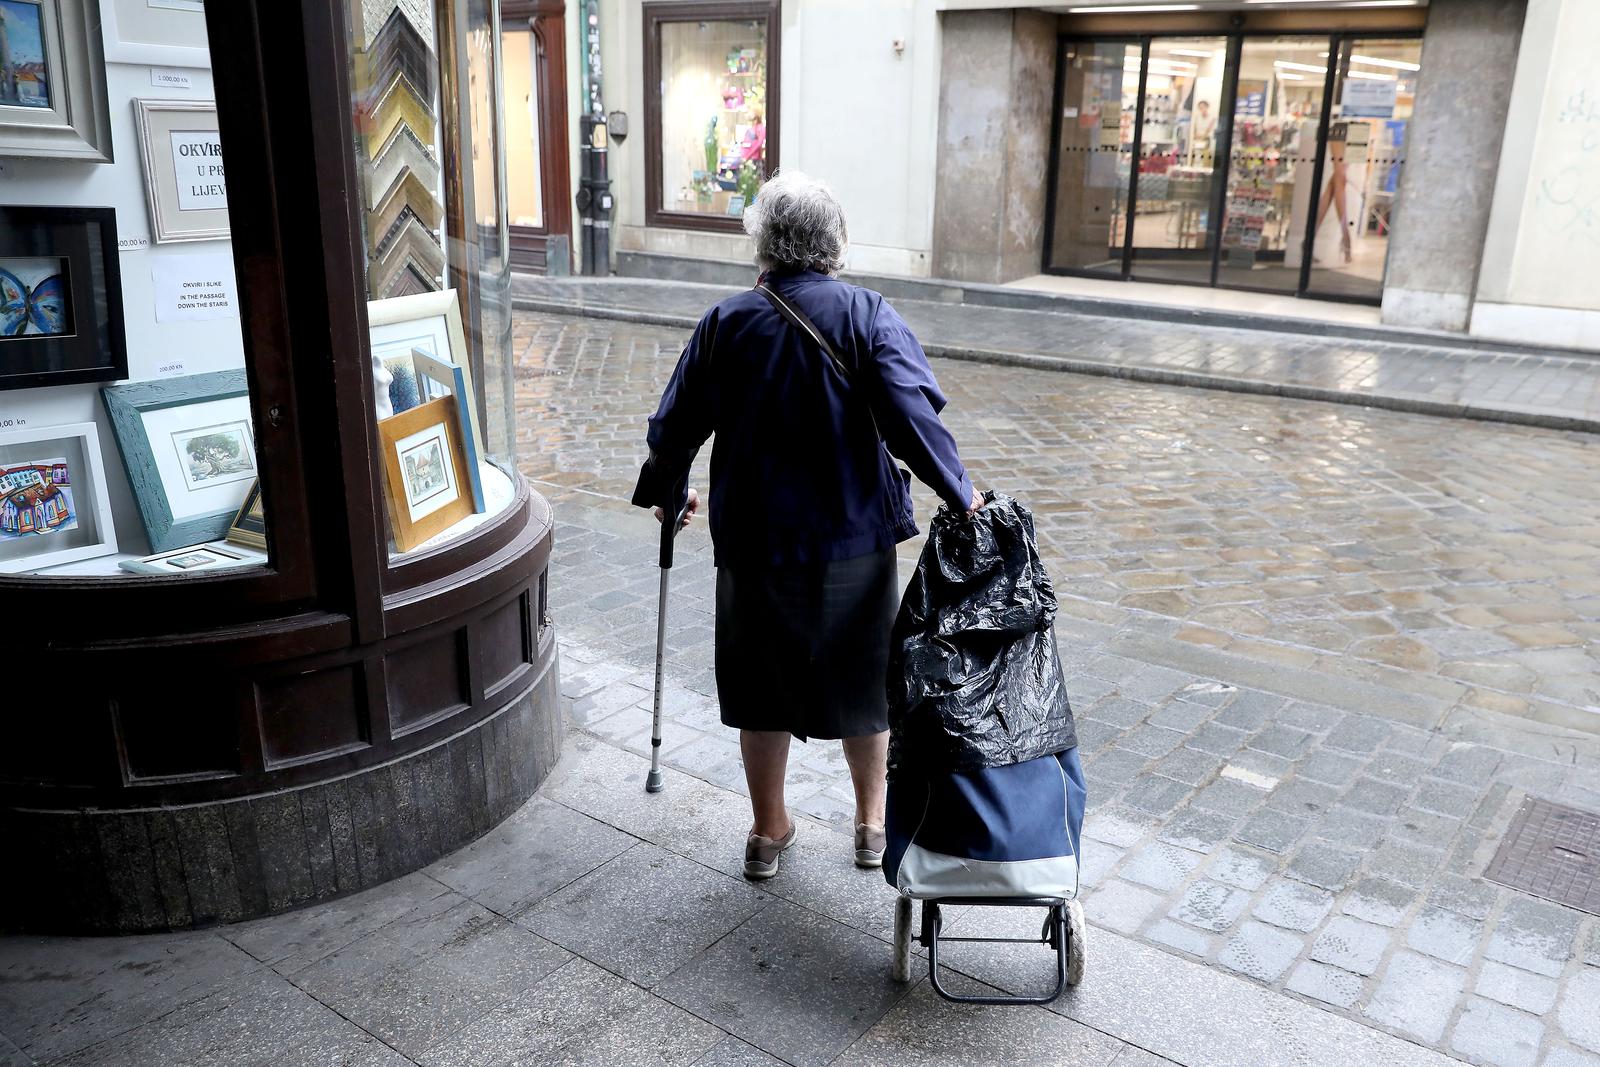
x: 594, y: 198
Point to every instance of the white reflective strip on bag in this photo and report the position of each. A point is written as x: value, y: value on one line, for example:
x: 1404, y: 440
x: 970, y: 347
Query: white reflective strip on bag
x: 933, y: 874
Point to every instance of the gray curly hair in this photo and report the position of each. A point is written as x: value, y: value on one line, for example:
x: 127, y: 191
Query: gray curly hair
x: 797, y: 224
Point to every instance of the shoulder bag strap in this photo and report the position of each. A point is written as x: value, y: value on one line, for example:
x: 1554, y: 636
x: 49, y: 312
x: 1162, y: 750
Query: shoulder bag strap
x: 800, y: 321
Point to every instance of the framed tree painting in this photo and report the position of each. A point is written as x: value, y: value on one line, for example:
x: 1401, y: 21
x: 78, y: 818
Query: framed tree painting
x: 53, y: 503
x: 60, y: 296
x: 53, y: 81
x: 190, y: 450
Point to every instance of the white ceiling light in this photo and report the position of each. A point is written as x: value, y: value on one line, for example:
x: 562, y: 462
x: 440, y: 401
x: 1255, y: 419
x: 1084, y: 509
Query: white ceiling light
x: 1130, y: 9
x: 1289, y: 76
x: 1284, y: 64
x: 1393, y: 64
x: 1190, y: 52
x: 1372, y: 77
x: 1343, y: 3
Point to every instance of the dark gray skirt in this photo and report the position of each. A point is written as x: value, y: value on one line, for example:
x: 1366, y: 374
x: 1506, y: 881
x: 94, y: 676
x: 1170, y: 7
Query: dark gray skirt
x: 805, y: 648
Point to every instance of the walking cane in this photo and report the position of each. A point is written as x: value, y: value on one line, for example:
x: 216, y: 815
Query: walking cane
x: 669, y: 531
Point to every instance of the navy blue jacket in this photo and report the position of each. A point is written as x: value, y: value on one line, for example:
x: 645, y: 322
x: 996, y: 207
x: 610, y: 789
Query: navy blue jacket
x: 798, y: 473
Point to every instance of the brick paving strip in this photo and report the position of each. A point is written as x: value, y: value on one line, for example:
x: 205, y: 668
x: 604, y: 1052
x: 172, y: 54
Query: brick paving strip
x: 1555, y: 391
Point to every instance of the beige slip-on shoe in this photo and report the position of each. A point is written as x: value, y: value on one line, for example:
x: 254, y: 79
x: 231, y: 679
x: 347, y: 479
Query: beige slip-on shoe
x: 870, y: 843
x: 761, y: 854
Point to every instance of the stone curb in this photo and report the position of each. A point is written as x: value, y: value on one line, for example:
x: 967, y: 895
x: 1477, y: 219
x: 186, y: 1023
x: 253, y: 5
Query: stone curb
x: 1402, y: 402
x: 669, y: 268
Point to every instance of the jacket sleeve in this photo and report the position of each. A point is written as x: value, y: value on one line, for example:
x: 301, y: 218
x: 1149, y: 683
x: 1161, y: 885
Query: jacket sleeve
x: 682, y: 422
x: 907, y: 407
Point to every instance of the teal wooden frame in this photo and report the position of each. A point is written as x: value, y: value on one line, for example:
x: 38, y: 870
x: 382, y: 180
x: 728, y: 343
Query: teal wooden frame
x: 126, y: 406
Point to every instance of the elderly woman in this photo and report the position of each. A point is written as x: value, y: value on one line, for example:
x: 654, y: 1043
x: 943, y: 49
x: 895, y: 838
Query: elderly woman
x: 809, y: 384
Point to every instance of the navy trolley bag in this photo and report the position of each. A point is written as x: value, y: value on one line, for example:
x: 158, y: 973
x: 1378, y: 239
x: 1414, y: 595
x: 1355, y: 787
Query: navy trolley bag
x: 986, y: 791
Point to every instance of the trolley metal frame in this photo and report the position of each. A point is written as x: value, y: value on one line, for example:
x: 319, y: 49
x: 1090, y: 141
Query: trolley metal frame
x: 1064, y: 931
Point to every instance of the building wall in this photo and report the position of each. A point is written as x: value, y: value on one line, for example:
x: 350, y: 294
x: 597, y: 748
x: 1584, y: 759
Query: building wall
x: 995, y: 97
x: 1469, y: 59
x: 851, y: 111
x: 1542, y: 256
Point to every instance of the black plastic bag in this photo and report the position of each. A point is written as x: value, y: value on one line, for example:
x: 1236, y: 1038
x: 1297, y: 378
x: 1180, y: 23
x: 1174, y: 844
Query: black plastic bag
x: 974, y: 677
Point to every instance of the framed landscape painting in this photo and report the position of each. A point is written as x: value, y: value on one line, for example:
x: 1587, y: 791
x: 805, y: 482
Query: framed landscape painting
x: 53, y: 81
x: 53, y: 503
x: 190, y: 450
x: 426, y: 484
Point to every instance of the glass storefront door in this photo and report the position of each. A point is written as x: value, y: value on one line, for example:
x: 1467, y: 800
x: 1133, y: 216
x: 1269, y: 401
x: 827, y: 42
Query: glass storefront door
x: 1267, y: 163
x: 1372, y: 98
x: 1098, y: 88
x: 1173, y: 198
x: 1277, y: 110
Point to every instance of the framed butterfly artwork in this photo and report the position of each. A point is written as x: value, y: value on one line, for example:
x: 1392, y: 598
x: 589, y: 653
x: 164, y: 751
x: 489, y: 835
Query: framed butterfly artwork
x: 60, y: 297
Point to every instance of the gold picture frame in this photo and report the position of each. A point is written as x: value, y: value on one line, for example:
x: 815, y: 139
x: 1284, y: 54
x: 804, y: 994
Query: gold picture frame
x: 249, y: 526
x: 426, y: 482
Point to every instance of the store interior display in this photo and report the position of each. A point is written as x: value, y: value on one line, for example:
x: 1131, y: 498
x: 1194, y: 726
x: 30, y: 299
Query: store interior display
x: 713, y: 115
x: 153, y: 227
x: 1278, y: 107
x: 396, y: 86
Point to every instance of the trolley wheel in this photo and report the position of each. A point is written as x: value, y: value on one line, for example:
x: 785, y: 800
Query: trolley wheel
x: 902, y: 939
x: 1076, y: 932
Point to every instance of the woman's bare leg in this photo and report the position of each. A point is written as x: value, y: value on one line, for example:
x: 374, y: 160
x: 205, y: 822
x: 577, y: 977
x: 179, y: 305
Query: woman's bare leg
x: 766, y: 758
x: 868, y: 758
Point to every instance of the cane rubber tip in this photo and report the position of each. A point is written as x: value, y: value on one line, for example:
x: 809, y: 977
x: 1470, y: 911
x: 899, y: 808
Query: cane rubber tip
x: 653, y: 783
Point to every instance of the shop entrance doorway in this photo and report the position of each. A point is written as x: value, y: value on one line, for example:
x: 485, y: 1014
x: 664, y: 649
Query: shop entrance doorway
x: 1254, y: 162
x: 538, y: 183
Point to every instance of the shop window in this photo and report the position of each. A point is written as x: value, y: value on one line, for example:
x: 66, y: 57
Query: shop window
x: 424, y: 85
x: 711, y: 130
x: 129, y: 442
x: 1374, y: 89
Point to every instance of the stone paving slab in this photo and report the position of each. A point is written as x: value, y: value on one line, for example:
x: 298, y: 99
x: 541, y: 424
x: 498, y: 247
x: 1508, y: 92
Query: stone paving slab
x: 1555, y: 390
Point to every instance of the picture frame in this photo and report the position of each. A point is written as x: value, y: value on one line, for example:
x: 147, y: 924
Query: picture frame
x: 249, y: 526
x: 425, y: 472
x: 189, y: 446
x: 169, y: 33
x: 60, y: 274
x: 196, y: 559
x: 436, y: 378
x: 180, y: 150
x: 53, y: 95
x: 401, y: 325
x: 68, y: 519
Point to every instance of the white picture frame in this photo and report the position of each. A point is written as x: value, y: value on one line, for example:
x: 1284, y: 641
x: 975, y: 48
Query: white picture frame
x: 91, y: 532
x: 180, y: 151
x: 138, y: 31
x: 429, y: 322
x: 61, y: 111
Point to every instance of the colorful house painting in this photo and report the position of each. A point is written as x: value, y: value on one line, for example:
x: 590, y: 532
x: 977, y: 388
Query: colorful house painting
x: 35, y: 498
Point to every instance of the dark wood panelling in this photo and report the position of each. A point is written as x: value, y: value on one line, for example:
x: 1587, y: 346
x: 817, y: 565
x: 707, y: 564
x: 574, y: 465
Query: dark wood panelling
x: 165, y: 735
x: 307, y: 716
x: 504, y: 644
x: 427, y: 680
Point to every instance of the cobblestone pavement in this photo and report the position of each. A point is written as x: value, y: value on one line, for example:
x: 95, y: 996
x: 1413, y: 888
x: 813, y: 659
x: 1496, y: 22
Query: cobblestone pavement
x: 1554, y: 390
x: 1313, y: 651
